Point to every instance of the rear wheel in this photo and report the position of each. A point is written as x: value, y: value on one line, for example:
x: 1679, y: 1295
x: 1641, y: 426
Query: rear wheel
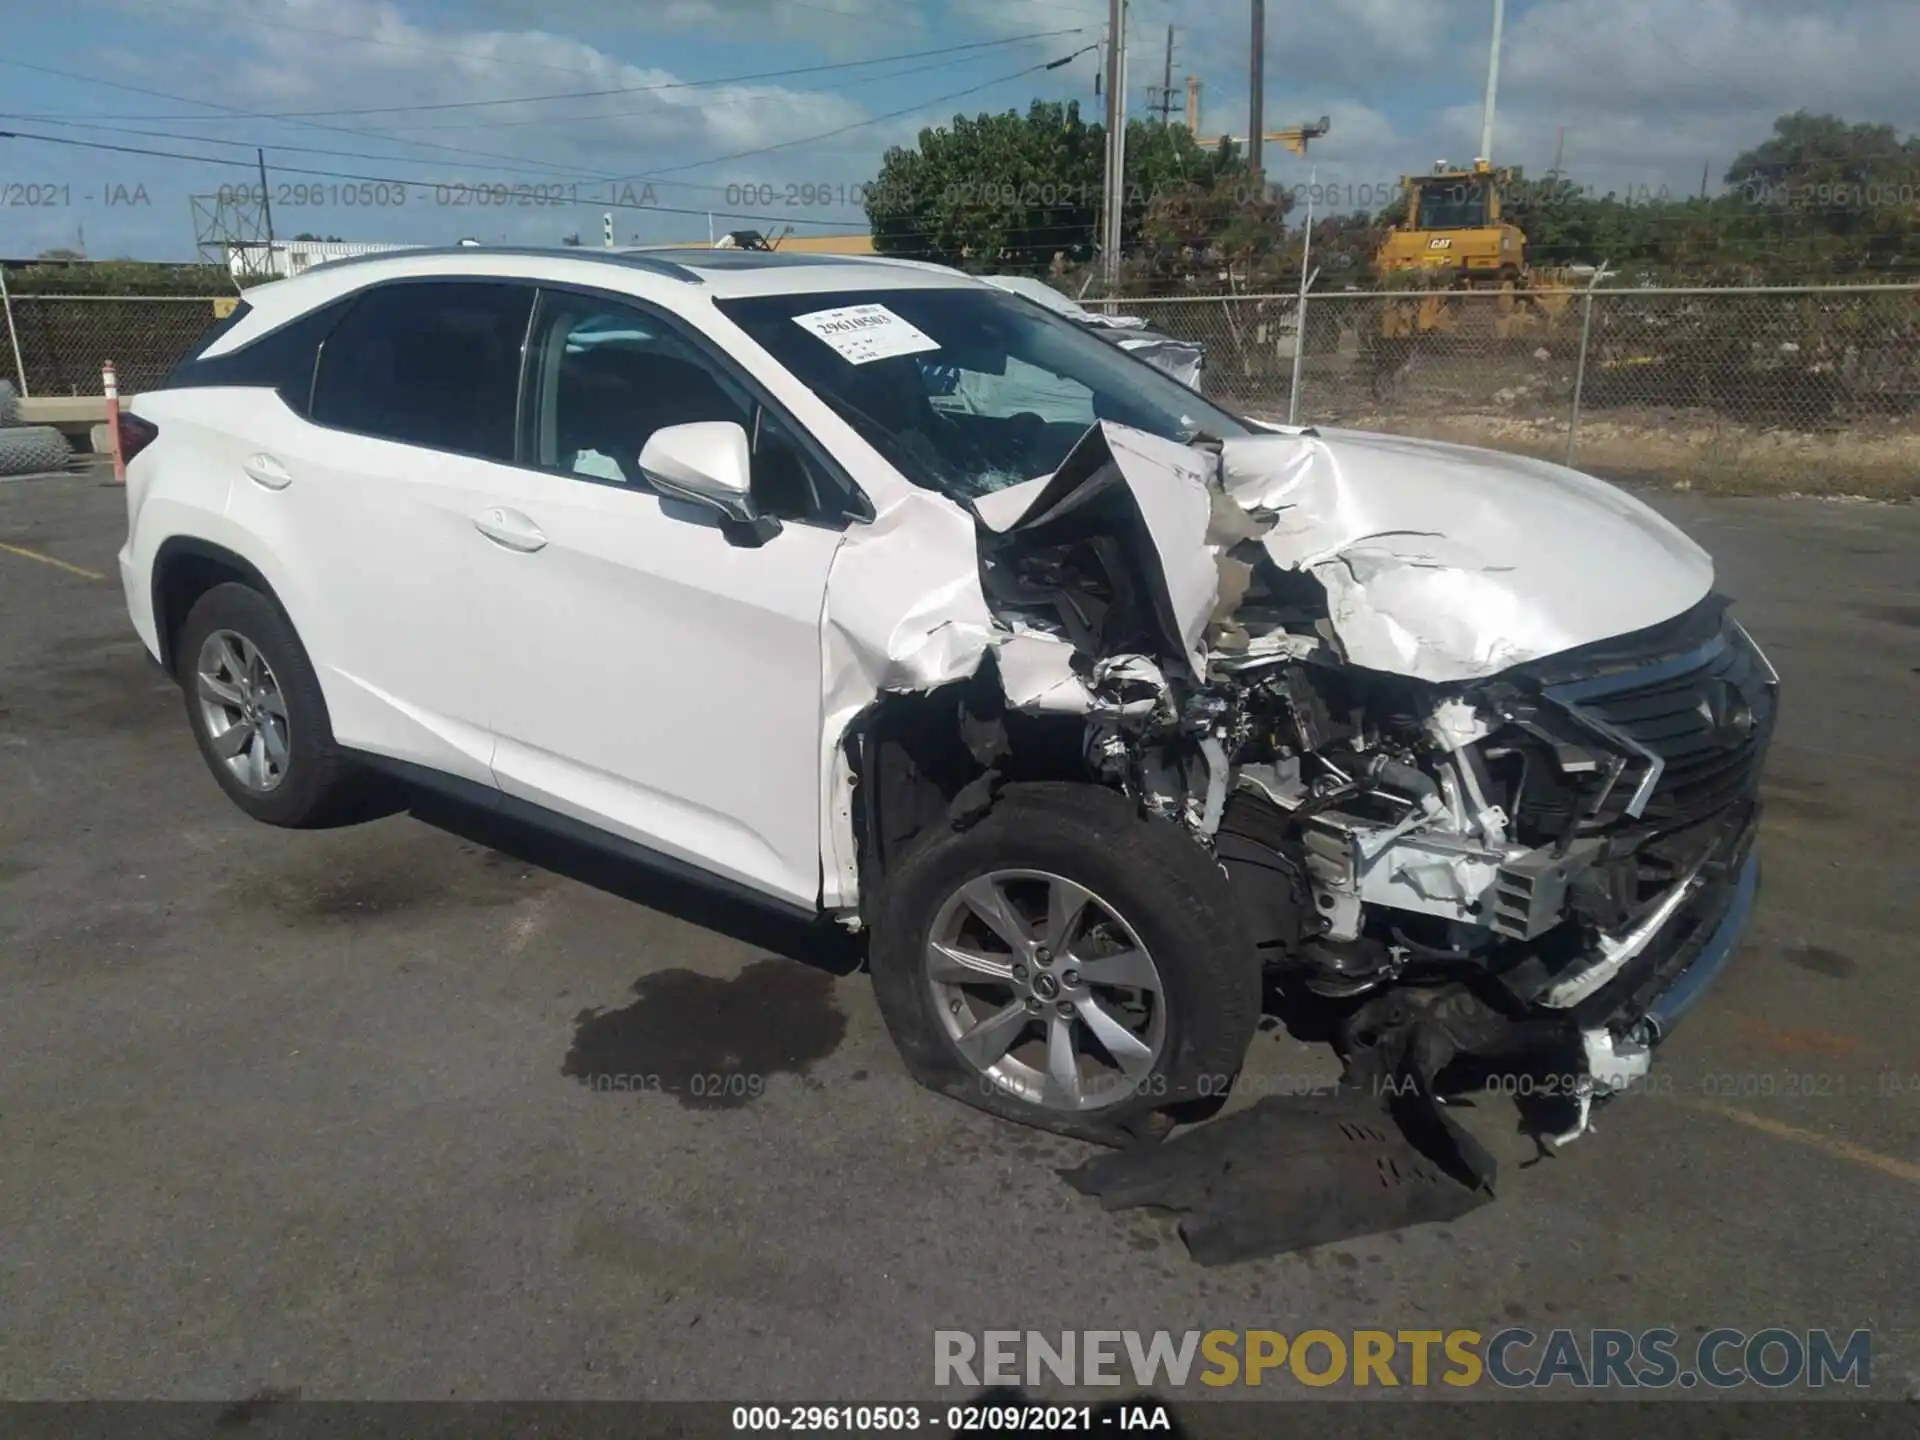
x: 256, y: 710
x: 1067, y: 963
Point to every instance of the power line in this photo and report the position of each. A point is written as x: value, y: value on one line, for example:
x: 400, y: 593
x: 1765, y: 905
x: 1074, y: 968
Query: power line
x: 536, y: 99
x: 862, y: 124
x: 234, y: 111
x: 413, y: 184
x: 668, y: 108
x: 528, y: 164
x: 283, y: 146
x: 615, y: 180
x: 587, y: 175
x: 418, y: 184
x: 644, y: 176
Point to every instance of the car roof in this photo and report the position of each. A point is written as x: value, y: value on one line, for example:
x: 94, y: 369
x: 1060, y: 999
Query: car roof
x: 680, y: 278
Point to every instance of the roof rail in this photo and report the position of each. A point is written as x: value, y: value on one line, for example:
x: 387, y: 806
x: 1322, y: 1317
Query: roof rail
x: 651, y: 263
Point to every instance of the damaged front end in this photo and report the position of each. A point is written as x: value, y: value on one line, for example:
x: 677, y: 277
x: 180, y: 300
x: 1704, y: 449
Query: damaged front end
x: 1471, y: 737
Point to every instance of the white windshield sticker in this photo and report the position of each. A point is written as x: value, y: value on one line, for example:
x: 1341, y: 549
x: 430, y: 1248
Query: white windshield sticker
x: 861, y: 333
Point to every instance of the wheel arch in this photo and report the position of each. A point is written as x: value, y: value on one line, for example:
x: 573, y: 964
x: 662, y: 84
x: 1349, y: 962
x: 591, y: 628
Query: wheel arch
x: 939, y: 758
x: 185, y: 568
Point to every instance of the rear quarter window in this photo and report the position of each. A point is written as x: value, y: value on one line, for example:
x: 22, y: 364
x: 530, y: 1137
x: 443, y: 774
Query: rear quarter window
x: 281, y: 360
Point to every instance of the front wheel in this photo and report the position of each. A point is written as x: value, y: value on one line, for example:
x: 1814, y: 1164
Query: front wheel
x: 1066, y: 962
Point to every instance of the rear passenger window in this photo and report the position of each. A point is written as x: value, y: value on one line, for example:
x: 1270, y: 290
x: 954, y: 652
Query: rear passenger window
x: 434, y: 363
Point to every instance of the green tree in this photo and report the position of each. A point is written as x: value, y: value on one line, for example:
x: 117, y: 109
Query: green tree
x: 121, y: 277
x: 1012, y: 191
x: 1830, y: 195
x: 1226, y: 224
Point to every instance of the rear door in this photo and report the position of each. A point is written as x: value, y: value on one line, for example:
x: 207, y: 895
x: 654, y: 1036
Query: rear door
x: 387, y: 493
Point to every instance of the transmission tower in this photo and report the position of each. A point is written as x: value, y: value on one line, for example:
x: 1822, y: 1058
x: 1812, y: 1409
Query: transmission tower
x: 230, y: 230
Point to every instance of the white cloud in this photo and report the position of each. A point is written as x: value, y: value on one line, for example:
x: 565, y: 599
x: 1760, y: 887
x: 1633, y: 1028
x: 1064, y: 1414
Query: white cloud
x: 1645, y: 91
x: 578, y: 141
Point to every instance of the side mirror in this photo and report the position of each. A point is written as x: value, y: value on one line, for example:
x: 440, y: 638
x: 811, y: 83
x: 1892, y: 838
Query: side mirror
x: 708, y: 462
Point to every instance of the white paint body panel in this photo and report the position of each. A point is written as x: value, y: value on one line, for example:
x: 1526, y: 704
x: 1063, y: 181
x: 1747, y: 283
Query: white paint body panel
x: 368, y: 546
x: 651, y: 679
x: 1449, y: 563
x: 903, y: 612
x: 382, y: 535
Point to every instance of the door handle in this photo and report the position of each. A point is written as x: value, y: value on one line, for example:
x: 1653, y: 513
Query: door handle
x: 509, y: 528
x: 266, y: 471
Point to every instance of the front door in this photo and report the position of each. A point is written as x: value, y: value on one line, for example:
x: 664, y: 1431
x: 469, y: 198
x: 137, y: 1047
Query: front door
x: 651, y: 675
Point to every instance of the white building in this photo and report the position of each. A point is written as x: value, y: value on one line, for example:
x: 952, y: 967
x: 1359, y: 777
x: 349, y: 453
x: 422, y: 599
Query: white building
x: 286, y: 258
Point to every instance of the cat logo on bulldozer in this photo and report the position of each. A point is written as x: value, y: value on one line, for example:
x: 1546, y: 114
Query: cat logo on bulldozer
x: 1440, y: 242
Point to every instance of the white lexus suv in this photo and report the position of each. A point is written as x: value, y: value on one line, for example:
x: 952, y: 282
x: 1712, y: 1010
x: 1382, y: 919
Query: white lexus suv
x: 869, y: 592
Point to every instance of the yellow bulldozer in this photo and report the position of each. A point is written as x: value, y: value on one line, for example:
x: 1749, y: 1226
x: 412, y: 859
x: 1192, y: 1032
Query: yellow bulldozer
x: 1454, y: 237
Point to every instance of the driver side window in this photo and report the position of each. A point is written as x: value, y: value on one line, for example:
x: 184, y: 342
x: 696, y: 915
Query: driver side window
x: 606, y: 376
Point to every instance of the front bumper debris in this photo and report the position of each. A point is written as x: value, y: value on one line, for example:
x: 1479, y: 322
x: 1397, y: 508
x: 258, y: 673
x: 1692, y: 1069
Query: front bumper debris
x: 1614, y: 1028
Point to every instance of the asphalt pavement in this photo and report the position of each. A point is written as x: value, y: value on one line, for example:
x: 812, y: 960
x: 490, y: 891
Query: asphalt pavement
x: 352, y: 1113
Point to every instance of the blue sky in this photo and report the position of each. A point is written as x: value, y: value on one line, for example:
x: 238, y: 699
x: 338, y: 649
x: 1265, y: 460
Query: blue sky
x: 1641, y: 92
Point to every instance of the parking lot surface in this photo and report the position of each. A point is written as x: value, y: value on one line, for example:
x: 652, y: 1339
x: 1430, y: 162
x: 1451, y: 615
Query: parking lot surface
x: 424, y: 1109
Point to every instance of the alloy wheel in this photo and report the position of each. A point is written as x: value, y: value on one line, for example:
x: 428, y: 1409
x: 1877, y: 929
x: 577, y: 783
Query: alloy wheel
x: 1046, y: 990
x: 243, y: 709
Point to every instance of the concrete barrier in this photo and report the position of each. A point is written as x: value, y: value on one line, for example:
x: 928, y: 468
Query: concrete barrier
x: 81, y: 418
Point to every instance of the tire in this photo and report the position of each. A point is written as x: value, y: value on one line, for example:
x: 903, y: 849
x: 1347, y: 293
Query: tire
x: 1146, y: 875
x: 9, y: 403
x: 316, y: 785
x: 29, y: 449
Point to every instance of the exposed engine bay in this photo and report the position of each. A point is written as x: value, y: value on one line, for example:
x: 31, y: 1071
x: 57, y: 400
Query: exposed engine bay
x: 1436, y: 757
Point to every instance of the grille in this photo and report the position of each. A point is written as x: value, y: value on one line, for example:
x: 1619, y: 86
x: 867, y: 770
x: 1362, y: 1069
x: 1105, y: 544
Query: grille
x: 1707, y: 714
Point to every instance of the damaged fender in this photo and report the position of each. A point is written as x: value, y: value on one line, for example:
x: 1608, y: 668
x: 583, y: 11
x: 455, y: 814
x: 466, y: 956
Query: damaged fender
x: 904, y: 613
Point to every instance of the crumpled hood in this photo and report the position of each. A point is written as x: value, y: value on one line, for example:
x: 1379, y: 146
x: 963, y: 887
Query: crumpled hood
x: 1446, y: 562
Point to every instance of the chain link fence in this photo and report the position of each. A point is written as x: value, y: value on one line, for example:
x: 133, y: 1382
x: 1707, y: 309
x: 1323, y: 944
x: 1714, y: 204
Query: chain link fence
x: 1769, y: 390
x: 1802, y: 389
x: 55, y: 343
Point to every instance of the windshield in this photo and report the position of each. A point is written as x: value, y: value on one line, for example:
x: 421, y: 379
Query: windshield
x: 967, y: 391
x: 1453, y: 205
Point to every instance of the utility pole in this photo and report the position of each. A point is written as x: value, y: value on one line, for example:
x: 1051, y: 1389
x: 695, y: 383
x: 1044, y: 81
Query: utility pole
x: 266, y: 203
x: 1493, y: 83
x: 1163, y: 101
x: 1116, y: 169
x: 1256, y: 90
x: 1559, y: 149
